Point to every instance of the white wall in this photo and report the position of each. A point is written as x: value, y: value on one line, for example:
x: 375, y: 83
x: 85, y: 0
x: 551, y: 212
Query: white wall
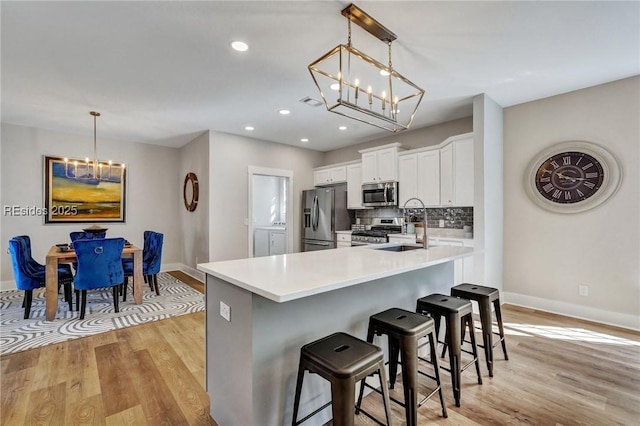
x: 151, y: 170
x: 194, y: 226
x: 547, y: 255
x: 230, y: 156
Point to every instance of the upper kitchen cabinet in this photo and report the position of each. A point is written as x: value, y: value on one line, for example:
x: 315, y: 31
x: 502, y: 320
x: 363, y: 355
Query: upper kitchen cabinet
x: 456, y: 171
x: 419, y: 177
x: 329, y: 175
x: 354, y: 186
x: 380, y: 164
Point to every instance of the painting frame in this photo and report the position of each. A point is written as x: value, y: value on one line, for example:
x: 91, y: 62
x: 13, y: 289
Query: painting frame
x: 73, y: 195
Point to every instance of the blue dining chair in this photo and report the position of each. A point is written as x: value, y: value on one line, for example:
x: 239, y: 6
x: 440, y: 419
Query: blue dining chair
x: 151, y: 261
x: 65, y: 276
x: 81, y: 235
x: 28, y: 279
x: 99, y: 266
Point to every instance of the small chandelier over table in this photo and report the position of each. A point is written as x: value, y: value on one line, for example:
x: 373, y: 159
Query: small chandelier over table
x: 93, y: 170
x: 366, y: 90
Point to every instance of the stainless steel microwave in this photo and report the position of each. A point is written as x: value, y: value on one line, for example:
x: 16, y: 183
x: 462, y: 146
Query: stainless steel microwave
x: 380, y: 194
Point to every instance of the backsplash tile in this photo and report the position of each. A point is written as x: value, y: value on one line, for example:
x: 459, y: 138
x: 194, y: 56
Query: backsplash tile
x: 454, y: 217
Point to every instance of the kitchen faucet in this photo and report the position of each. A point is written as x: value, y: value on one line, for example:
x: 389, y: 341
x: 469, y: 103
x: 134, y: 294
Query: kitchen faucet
x: 425, y: 243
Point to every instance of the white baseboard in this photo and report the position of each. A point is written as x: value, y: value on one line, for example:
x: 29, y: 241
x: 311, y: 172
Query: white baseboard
x: 11, y: 284
x: 576, y: 311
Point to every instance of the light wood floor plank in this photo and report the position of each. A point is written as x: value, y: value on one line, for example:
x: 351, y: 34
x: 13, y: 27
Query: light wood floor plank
x: 47, y: 406
x: 118, y: 385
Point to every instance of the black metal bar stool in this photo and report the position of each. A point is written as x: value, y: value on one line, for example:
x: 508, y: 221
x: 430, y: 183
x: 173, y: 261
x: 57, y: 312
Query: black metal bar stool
x: 485, y: 296
x: 457, y: 314
x: 404, y: 329
x: 342, y: 360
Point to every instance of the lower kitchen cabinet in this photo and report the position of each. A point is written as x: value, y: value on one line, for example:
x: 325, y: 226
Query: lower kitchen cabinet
x: 343, y: 239
x: 268, y: 242
x: 463, y: 268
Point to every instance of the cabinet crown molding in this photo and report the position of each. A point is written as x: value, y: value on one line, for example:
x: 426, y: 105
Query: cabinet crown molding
x: 441, y: 145
x: 377, y: 148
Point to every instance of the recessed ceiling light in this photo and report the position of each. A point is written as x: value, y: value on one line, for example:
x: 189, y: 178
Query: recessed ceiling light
x: 284, y: 112
x: 304, y: 140
x: 342, y: 128
x: 240, y: 46
x: 249, y: 128
x: 334, y: 86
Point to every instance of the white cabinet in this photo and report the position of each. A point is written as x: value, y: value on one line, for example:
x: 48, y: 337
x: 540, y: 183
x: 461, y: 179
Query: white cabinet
x: 354, y: 186
x: 343, y: 239
x: 380, y: 164
x: 456, y: 173
x: 462, y: 268
x: 268, y: 242
x: 419, y: 177
x: 277, y: 243
x: 329, y: 175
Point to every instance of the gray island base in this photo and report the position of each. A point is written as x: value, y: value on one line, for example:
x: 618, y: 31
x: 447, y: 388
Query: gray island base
x: 252, y: 360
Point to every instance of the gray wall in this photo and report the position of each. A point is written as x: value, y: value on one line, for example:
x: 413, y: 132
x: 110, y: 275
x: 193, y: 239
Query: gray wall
x: 417, y: 138
x: 230, y: 156
x: 151, y: 199
x: 548, y: 255
x: 194, y: 157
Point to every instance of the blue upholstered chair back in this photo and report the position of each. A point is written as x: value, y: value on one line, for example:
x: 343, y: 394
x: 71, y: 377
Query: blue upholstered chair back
x: 152, y: 252
x: 99, y: 263
x: 25, y: 245
x: 25, y: 278
x: 81, y: 235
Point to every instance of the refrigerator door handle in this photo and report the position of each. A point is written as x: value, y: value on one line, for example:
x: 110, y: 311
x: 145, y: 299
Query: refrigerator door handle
x: 317, y: 243
x: 315, y: 213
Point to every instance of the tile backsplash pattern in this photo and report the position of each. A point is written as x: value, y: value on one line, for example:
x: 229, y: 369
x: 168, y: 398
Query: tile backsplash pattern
x: 454, y: 217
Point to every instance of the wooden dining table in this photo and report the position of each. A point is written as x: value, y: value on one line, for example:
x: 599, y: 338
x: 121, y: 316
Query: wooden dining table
x: 55, y: 256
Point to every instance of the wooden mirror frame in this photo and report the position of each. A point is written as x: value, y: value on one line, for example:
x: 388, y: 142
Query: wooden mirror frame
x: 192, y: 179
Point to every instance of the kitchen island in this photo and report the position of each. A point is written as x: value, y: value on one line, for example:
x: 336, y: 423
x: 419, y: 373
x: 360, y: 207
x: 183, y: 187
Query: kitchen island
x: 279, y: 303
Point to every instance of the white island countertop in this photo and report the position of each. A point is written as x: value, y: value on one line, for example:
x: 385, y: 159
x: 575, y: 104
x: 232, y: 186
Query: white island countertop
x: 293, y: 276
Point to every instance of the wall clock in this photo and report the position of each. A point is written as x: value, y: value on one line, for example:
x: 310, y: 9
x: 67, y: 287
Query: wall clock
x: 572, y: 177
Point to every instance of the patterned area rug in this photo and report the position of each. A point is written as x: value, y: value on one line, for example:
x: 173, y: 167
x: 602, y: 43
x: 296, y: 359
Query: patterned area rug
x: 17, y: 334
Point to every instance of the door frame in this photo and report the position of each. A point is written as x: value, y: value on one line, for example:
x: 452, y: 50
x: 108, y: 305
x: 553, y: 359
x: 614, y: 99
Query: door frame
x: 265, y: 171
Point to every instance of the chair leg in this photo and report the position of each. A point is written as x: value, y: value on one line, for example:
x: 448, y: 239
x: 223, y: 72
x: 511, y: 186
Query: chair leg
x: 124, y: 289
x: 498, y: 311
x: 83, y: 308
x: 147, y: 279
x: 116, y: 297
x: 68, y: 295
x: 28, y: 296
x: 155, y: 283
x: 77, y: 292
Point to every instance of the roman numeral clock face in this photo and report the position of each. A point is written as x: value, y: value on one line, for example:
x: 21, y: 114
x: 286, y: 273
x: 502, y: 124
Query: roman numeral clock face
x: 573, y: 176
x: 569, y: 177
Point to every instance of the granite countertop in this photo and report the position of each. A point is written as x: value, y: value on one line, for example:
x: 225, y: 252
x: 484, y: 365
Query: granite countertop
x: 287, y: 277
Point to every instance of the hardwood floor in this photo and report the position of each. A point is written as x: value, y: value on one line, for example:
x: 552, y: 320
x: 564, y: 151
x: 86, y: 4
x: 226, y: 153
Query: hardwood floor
x: 561, y: 371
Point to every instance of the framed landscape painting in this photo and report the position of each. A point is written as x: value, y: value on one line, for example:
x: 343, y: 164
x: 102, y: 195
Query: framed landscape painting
x: 76, y: 191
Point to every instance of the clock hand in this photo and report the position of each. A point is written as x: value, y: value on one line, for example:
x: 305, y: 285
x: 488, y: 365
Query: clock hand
x: 561, y: 176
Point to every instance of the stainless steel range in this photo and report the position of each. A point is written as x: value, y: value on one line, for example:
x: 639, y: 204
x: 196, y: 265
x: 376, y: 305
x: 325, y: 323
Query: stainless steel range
x: 380, y: 227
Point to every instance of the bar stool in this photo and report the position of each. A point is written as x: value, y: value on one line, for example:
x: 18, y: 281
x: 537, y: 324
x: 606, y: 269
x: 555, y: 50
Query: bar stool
x: 342, y: 360
x: 485, y: 296
x: 457, y: 314
x: 404, y: 329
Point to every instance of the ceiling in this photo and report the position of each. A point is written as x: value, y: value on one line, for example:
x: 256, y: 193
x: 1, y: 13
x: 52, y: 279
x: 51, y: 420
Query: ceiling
x: 163, y: 72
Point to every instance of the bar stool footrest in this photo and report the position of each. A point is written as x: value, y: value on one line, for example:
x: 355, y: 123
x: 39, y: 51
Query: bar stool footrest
x: 299, y: 422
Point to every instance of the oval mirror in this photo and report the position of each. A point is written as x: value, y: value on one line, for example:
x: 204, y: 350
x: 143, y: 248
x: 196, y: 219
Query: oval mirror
x: 190, y: 191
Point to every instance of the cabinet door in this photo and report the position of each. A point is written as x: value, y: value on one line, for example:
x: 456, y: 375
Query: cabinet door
x: 408, y: 180
x: 354, y: 186
x: 428, y: 177
x: 369, y: 167
x: 387, y: 164
x: 277, y: 243
x: 321, y: 177
x: 446, y: 175
x: 463, y: 172
x: 338, y: 174
x: 260, y: 242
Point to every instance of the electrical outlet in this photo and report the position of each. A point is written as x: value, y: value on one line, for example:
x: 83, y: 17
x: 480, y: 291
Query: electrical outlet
x: 583, y: 290
x: 225, y: 311
x: 441, y: 223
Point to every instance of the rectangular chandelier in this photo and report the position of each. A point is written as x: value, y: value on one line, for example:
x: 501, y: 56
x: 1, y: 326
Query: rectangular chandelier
x: 357, y: 86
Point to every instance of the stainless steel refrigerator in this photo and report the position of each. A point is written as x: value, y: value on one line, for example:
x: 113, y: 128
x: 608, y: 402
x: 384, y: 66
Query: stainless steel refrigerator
x: 324, y: 211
